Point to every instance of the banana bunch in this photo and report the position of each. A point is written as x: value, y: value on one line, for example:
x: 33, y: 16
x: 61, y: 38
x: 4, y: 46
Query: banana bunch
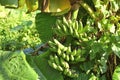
x: 32, y: 5
x: 61, y: 65
x: 62, y: 56
x: 64, y: 28
x: 72, y: 56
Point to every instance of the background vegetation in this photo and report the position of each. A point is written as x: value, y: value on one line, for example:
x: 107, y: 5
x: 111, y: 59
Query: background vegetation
x: 77, y: 41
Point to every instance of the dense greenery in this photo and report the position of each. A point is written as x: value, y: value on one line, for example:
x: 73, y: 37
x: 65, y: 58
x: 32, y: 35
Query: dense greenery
x: 17, y: 32
x: 81, y: 41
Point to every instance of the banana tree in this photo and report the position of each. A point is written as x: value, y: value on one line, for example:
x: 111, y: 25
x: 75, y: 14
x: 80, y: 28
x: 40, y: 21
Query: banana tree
x: 81, y: 39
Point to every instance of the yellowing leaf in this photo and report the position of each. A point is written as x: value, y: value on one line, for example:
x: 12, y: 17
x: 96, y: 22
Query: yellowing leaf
x: 57, y: 5
x: 32, y: 5
x: 21, y: 3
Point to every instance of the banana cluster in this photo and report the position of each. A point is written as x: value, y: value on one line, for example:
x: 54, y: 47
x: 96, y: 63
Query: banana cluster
x: 72, y: 56
x: 69, y: 27
x: 62, y: 56
x: 61, y: 65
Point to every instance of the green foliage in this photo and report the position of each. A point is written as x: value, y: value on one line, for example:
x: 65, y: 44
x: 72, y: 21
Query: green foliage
x: 116, y: 73
x: 40, y: 63
x: 17, y: 30
x: 97, y: 38
x: 86, y: 46
x: 14, y: 66
x: 44, y: 24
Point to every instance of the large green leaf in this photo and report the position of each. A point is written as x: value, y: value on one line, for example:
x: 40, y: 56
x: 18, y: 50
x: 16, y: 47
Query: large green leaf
x: 44, y: 24
x: 40, y: 63
x: 116, y: 74
x: 9, y: 3
x: 13, y: 66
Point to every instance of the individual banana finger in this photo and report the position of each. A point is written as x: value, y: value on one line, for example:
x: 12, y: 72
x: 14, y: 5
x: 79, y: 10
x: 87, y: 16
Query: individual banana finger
x: 74, y: 52
x: 80, y: 27
x: 65, y: 22
x: 65, y: 29
x: 69, y: 73
x: 67, y: 58
x: 51, y: 44
x: 68, y: 50
x: 60, y: 30
x: 56, y: 60
x: 76, y: 25
x: 59, y: 68
x: 77, y: 58
x: 62, y: 47
x: 70, y: 22
x: 71, y: 57
x: 71, y: 31
x: 52, y: 64
x: 76, y: 34
x: 52, y: 57
x: 64, y: 56
x: 64, y: 63
x: 66, y: 71
x: 59, y: 52
x: 78, y: 52
x: 53, y: 49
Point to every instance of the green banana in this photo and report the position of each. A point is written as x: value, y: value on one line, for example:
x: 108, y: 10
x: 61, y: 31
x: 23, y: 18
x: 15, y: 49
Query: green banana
x: 51, y: 58
x: 63, y: 55
x: 74, y: 52
x: 60, y: 30
x: 59, y: 68
x: 76, y: 25
x: 77, y: 58
x: 71, y: 57
x: 66, y: 71
x: 76, y: 34
x: 80, y: 27
x: 52, y: 46
x: 52, y: 64
x: 71, y: 73
x: 64, y: 63
x: 67, y: 25
x: 70, y: 22
x: 68, y: 50
x: 71, y: 30
x: 62, y: 47
x: 59, y: 52
x: 65, y: 30
x: 56, y: 60
x: 67, y: 58
x: 65, y: 22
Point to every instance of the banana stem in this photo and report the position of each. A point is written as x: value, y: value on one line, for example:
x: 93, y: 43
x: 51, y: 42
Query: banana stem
x: 88, y: 9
